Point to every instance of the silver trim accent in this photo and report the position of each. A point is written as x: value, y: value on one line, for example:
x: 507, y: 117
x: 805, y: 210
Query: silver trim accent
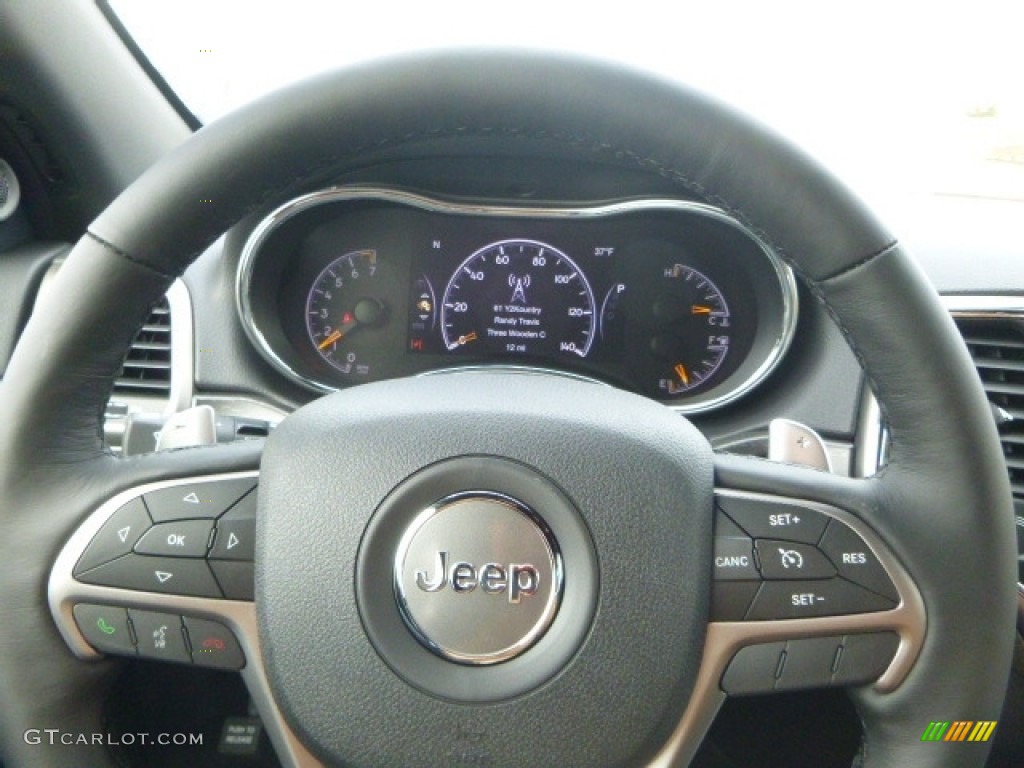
x: 723, y: 639
x: 983, y: 306
x: 63, y: 592
x: 872, y: 436
x: 12, y: 196
x: 791, y: 442
x: 554, y: 564
x: 182, y: 346
x: 250, y: 252
x: 908, y: 620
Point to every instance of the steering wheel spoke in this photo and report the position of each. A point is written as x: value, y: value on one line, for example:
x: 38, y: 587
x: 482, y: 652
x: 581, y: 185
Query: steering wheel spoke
x: 164, y: 571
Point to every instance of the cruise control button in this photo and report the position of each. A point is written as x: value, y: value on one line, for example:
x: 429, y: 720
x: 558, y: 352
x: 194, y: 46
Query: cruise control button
x: 117, y: 536
x: 197, y: 500
x: 159, y: 636
x: 774, y: 520
x: 803, y: 599
x: 865, y: 657
x: 185, y: 538
x: 789, y: 560
x: 169, y: 575
x: 213, y: 644
x: 855, y: 560
x: 734, y: 559
x: 104, y: 628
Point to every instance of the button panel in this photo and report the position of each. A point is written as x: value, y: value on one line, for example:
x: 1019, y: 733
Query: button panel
x: 805, y: 564
x: 812, y: 662
x: 196, y: 538
x: 161, y: 636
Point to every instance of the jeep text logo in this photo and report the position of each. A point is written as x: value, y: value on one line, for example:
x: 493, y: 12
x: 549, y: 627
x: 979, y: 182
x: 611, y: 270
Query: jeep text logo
x: 518, y: 579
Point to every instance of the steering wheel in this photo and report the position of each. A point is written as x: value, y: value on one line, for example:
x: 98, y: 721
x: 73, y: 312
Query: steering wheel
x: 624, y: 645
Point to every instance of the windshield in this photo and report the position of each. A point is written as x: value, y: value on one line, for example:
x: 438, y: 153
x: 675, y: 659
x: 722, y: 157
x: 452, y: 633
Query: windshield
x: 900, y: 100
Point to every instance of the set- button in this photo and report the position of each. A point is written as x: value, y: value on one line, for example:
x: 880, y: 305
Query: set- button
x: 196, y: 539
x: 779, y: 560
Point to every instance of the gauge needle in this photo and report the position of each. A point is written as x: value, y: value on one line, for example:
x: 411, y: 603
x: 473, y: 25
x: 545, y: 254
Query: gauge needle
x: 466, y: 339
x: 681, y: 370
x: 339, y: 333
x: 698, y: 309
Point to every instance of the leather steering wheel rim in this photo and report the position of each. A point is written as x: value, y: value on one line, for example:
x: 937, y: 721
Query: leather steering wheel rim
x: 942, y: 504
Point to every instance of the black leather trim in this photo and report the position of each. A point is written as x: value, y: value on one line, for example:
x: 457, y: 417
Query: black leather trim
x: 476, y: 103
x: 943, y: 504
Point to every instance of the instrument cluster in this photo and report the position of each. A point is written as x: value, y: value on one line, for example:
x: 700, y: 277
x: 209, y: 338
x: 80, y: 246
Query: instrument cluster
x: 670, y: 299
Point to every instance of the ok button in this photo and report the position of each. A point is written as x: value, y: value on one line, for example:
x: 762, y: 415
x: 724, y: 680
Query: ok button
x: 185, y: 538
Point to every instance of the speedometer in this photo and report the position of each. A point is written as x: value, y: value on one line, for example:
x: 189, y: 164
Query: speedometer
x: 519, y: 297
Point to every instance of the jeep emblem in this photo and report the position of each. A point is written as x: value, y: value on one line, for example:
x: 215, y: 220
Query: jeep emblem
x: 497, y: 597
x: 519, y: 580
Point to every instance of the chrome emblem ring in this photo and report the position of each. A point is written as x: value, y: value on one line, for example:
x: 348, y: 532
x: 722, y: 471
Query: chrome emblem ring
x: 478, y: 578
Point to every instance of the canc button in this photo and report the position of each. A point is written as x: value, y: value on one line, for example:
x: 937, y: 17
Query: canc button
x: 734, y: 559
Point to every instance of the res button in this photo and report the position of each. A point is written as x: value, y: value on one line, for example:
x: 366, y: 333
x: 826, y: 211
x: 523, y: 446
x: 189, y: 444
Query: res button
x: 855, y: 560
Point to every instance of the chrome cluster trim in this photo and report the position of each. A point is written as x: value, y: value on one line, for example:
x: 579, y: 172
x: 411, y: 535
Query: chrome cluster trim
x: 251, y: 250
x: 723, y: 639
x: 64, y: 591
x: 907, y: 619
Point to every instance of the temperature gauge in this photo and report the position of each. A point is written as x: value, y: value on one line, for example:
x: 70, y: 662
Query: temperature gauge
x: 690, y: 329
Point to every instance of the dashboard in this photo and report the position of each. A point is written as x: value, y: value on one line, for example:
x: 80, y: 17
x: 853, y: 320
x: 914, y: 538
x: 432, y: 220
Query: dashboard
x: 671, y: 299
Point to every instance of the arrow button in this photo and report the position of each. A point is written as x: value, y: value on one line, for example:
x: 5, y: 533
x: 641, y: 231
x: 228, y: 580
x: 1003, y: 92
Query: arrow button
x: 149, y: 573
x: 117, y: 536
x: 235, y: 537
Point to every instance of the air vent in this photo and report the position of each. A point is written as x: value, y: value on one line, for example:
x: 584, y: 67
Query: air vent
x: 997, y: 347
x: 147, y: 366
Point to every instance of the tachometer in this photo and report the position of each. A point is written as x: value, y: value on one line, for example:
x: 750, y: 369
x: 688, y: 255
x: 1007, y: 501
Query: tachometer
x: 519, y: 297
x: 341, y: 307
